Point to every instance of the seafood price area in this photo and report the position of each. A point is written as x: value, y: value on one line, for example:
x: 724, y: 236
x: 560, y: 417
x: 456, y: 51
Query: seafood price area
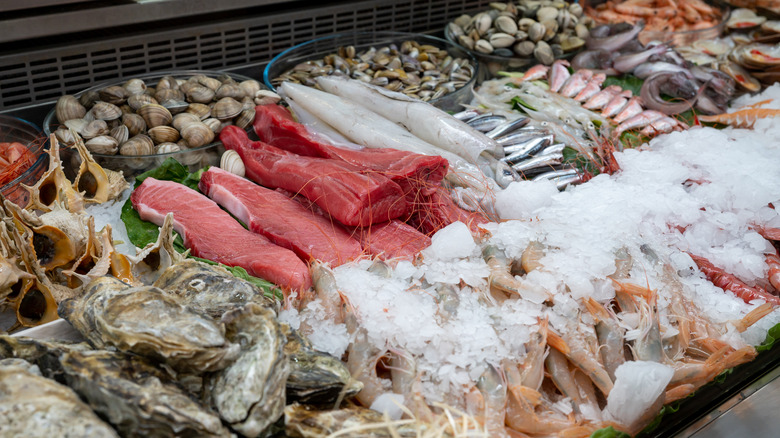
x: 587, y: 242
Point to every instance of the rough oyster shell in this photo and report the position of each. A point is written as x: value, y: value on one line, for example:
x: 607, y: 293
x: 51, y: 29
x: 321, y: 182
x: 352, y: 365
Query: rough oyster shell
x: 137, y: 398
x: 250, y: 394
x: 44, y: 354
x: 32, y: 405
x: 148, y: 321
x: 210, y: 289
x: 304, y: 421
x: 315, y: 377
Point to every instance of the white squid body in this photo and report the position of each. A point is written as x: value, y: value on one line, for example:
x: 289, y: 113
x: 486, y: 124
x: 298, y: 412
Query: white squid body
x: 421, y: 119
x: 369, y: 129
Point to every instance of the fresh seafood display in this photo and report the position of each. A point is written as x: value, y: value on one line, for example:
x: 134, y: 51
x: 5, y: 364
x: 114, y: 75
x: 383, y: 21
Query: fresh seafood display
x: 541, y: 30
x: 420, y: 71
x: 15, y: 158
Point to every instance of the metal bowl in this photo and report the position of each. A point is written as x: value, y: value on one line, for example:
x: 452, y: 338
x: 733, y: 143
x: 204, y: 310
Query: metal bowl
x: 318, y: 48
x: 13, y: 129
x: 133, y: 165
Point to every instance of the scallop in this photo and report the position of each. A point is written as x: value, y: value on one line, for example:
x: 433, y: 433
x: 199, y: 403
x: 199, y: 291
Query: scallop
x: 163, y: 134
x: 197, y: 134
x: 103, y: 144
x: 226, y: 108
x: 137, y: 145
x: 68, y: 107
x: 232, y: 163
x: 155, y: 115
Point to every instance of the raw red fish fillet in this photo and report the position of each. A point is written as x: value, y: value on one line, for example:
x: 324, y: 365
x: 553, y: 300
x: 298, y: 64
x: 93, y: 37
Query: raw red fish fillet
x: 210, y: 233
x: 392, y: 240
x: 438, y: 210
x: 415, y: 173
x: 349, y: 196
x: 282, y: 220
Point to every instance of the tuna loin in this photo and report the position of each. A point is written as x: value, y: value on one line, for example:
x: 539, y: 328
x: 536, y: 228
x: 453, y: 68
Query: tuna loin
x: 210, y: 233
x: 339, y: 188
x: 285, y: 222
x: 392, y: 240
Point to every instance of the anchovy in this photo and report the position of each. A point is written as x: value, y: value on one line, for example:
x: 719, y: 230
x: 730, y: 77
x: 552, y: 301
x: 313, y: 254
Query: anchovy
x: 508, y: 127
x: 552, y: 149
x: 556, y: 174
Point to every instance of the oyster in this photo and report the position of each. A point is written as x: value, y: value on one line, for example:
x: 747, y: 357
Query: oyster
x: 44, y: 354
x: 315, y: 377
x: 32, y: 405
x: 210, y: 289
x: 250, y: 393
x: 304, y: 421
x: 148, y: 321
x: 137, y: 398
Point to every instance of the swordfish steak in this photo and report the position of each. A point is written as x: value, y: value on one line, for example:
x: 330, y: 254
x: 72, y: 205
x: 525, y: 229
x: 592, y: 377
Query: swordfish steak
x: 349, y: 196
x: 285, y: 222
x: 210, y: 233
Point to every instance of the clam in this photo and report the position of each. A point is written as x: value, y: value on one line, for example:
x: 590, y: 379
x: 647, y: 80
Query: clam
x: 120, y: 133
x: 88, y: 98
x: 94, y: 128
x: 135, y: 123
x: 248, y: 103
x: 68, y: 107
x: 229, y: 90
x: 167, y: 82
x: 114, y: 94
x: 536, y: 32
x: 134, y: 87
x: 214, y: 124
x: 155, y: 115
x: 482, y: 23
x: 183, y: 119
x: 505, y: 24
x: 76, y: 124
x: 137, y: 145
x: 226, y: 108
x: 138, y: 100
x: 211, y: 83
x: 167, y: 148
x: 546, y: 13
x: 500, y: 40
x: 164, y: 94
x: 163, y: 134
x: 250, y: 87
x: 245, y: 119
x: 544, y: 53
x: 106, y: 111
x: 200, y: 110
x: 197, y: 134
x: 103, y: 144
x: 572, y: 43
x: 65, y: 136
x: 483, y: 46
x: 232, y: 162
x: 200, y: 94
x: 742, y: 19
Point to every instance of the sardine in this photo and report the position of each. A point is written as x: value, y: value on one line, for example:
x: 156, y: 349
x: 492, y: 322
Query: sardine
x: 508, y: 127
x: 536, y: 162
x: 527, y: 147
x: 486, y: 122
x: 552, y: 149
x: 520, y: 136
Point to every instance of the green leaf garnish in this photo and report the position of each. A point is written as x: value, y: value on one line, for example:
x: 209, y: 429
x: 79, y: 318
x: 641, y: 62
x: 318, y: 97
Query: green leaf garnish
x: 518, y: 104
x: 609, y: 432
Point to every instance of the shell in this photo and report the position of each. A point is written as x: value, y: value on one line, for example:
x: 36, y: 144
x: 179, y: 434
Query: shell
x: 114, y: 94
x: 65, y: 136
x: 741, y: 19
x: 106, y: 111
x: 245, y: 119
x: 135, y: 123
x: 27, y: 394
x: 200, y: 110
x: 167, y: 82
x: 151, y: 261
x: 155, y: 115
x: 251, y: 401
x: 103, y: 144
x: 137, y: 397
x: 232, y: 163
x: 137, y: 145
x: 229, y: 90
x: 68, y: 107
x: 197, y: 134
x: 88, y: 98
x: 138, y: 320
x: 97, y: 184
x: 500, y: 40
x: 163, y: 134
x: 210, y: 289
x: 138, y: 100
x: 76, y: 124
x: 250, y: 87
x: 94, y: 129
x: 214, y: 124
x: 169, y: 94
x: 200, y: 94
x: 211, y: 83
x: 175, y: 106
x: 183, y: 119
x: 53, y: 187
x: 226, y: 108
x: 505, y: 24
x: 121, y: 134
x: 167, y: 148
x: 134, y: 87
x: 265, y: 97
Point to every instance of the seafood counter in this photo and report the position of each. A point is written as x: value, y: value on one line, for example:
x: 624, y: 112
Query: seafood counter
x: 587, y: 246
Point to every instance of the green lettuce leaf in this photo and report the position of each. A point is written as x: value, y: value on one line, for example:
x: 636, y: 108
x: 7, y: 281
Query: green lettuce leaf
x: 609, y: 432
x: 142, y: 233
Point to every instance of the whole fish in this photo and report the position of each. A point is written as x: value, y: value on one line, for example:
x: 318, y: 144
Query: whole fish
x: 632, y: 108
x: 627, y: 63
x: 575, y: 83
x: 592, y: 88
x: 421, y: 119
x: 559, y: 73
x: 648, y: 69
x: 617, y: 104
x: 539, y: 71
x: 640, y: 120
x: 600, y: 99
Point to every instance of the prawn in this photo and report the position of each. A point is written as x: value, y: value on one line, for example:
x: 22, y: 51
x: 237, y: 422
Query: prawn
x: 572, y: 345
x: 521, y: 409
x: 745, y: 118
x: 492, y: 385
x: 610, y: 336
x: 500, y: 278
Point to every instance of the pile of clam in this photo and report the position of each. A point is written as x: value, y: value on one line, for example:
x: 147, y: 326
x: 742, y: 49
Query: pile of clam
x: 544, y: 29
x: 420, y: 71
x: 175, y: 115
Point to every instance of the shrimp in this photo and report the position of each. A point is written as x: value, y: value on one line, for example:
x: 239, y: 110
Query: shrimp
x: 532, y: 254
x: 558, y: 367
x: 325, y: 288
x: 745, y: 118
x: 731, y: 283
x: 521, y: 410
x: 500, y: 278
x: 753, y: 316
x: 572, y: 345
x: 649, y: 346
x: 406, y: 381
x: 773, y: 261
x: 362, y: 361
x: 610, y: 336
x: 531, y: 371
x: 492, y: 386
